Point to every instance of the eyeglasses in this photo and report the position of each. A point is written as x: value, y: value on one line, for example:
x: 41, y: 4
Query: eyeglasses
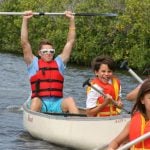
x: 47, y: 51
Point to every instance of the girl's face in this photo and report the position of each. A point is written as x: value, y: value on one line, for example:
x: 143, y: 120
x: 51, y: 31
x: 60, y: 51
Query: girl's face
x: 104, y: 73
x: 146, y: 102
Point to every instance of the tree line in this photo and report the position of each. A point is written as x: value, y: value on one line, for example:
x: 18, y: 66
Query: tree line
x: 126, y: 36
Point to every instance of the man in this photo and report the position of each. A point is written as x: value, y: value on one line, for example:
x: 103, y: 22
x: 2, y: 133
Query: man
x: 46, y: 73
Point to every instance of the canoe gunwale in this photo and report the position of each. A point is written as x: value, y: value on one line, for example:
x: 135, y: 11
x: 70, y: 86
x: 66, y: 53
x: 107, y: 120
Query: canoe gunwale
x: 64, y: 116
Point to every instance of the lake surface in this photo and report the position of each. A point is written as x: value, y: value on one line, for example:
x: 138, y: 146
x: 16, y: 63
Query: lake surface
x: 14, y: 90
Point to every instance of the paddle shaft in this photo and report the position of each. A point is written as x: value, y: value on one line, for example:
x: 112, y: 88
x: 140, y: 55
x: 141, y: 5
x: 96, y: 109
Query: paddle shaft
x: 128, y: 145
x: 135, y: 75
x: 124, y: 65
x: 137, y: 140
x: 60, y: 14
x: 113, y: 101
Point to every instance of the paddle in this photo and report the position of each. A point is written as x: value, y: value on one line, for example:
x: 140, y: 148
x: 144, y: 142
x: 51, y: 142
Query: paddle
x: 128, y: 145
x: 137, y: 140
x: 61, y: 14
x: 124, y: 65
x: 99, y: 91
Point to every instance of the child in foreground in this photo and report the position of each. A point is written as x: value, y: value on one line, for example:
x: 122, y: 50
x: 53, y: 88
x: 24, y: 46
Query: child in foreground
x: 139, y: 123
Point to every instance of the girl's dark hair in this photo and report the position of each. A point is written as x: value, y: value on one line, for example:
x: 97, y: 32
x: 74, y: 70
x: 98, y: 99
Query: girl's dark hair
x: 104, y: 59
x: 44, y: 42
x: 144, y: 89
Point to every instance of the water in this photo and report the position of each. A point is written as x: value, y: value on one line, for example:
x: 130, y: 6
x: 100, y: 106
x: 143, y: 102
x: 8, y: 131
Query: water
x: 14, y: 89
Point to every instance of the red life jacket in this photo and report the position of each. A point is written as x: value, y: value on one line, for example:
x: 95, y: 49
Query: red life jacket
x: 138, y: 127
x: 111, y: 89
x: 47, y: 81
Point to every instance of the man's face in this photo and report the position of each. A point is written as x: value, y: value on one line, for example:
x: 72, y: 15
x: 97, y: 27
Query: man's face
x: 46, y: 53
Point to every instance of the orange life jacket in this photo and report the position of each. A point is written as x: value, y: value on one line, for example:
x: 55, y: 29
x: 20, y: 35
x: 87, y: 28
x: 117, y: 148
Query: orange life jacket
x: 138, y: 127
x: 47, y: 81
x: 111, y: 89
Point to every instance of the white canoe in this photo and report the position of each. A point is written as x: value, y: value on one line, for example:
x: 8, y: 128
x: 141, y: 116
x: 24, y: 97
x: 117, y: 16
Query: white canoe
x: 73, y: 131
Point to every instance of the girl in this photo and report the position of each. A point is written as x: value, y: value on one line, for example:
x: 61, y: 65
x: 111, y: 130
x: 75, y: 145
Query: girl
x: 139, y: 123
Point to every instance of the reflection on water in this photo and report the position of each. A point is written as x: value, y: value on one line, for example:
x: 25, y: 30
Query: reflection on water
x: 14, y: 90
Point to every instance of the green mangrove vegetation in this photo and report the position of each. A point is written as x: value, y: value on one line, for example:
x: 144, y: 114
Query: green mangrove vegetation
x: 126, y: 36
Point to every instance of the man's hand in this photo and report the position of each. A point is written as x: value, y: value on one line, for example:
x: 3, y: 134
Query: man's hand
x: 27, y: 14
x: 69, y: 14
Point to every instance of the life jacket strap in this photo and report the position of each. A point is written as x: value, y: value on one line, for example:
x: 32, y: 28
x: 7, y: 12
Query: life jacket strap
x: 46, y: 80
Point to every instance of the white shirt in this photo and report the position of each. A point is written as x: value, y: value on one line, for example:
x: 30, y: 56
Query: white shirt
x: 93, y: 95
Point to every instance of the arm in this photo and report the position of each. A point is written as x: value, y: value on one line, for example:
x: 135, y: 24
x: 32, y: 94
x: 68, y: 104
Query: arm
x: 133, y: 94
x: 93, y: 111
x: 65, y: 55
x: 120, y: 139
x: 27, y: 51
x: 92, y: 107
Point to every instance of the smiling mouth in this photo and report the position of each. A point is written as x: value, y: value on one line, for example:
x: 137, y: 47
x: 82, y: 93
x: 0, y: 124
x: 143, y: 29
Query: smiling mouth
x: 105, y: 79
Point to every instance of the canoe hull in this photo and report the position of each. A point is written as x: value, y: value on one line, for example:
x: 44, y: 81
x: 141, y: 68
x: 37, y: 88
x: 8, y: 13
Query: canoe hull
x: 76, y: 132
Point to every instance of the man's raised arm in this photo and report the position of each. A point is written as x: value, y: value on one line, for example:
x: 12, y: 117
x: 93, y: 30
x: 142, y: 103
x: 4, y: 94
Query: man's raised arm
x: 65, y: 55
x: 27, y: 50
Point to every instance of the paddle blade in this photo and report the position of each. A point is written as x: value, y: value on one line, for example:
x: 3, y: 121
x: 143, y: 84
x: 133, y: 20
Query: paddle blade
x: 124, y: 65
